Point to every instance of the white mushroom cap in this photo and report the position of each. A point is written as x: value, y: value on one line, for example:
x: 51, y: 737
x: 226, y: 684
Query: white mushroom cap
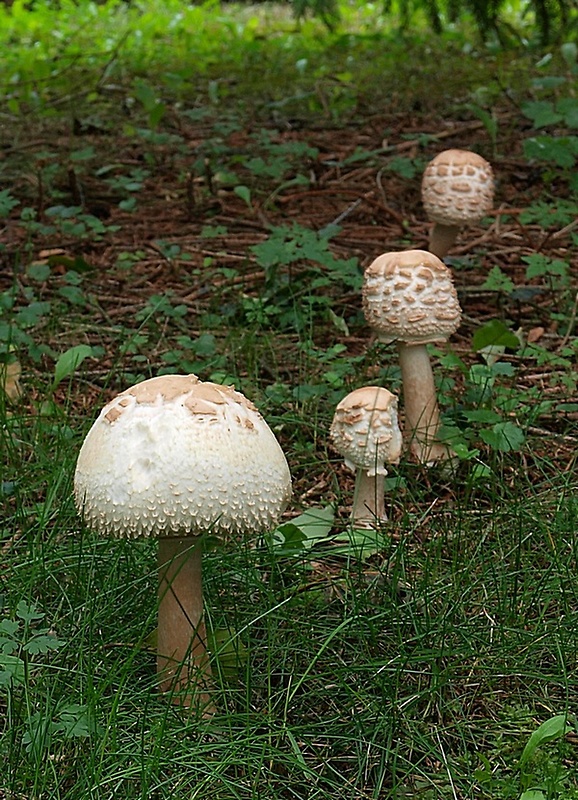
x: 365, y: 430
x: 457, y: 188
x: 175, y: 456
x: 410, y: 297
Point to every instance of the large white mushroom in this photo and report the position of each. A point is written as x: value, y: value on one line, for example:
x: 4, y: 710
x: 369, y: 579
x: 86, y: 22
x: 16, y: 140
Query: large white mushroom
x: 365, y: 431
x: 176, y: 458
x: 409, y: 298
x: 457, y: 189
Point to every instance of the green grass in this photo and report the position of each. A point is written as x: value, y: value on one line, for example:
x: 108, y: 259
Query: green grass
x: 420, y: 673
x: 415, y: 667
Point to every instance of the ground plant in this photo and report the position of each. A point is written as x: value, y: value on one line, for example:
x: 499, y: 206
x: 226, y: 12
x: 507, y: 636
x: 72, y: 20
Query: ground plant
x: 198, y: 189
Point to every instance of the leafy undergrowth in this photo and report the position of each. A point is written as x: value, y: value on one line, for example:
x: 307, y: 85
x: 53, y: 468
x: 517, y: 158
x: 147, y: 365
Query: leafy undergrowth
x: 180, y: 214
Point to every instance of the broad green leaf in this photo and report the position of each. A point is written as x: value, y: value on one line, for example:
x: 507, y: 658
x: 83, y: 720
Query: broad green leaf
x: 227, y: 647
x: 359, y: 542
x: 568, y: 106
x: 11, y: 670
x: 315, y: 523
x: 302, y: 532
x: 569, y: 51
x: 554, y: 728
x: 69, y: 362
x: 533, y: 794
x: 288, y: 539
x: 482, y: 415
x: 493, y: 333
x: 504, y: 436
x: 244, y: 193
x: 542, y: 113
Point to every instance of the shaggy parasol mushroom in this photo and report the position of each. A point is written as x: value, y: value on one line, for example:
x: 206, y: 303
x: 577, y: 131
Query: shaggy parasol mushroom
x: 175, y: 458
x: 457, y: 189
x: 409, y: 298
x: 365, y: 431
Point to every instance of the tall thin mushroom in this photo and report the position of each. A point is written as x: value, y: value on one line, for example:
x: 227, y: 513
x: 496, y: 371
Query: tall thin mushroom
x: 409, y: 298
x: 365, y: 431
x: 177, y: 458
x: 457, y: 189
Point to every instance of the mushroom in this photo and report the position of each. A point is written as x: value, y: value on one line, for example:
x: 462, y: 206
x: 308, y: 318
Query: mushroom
x: 365, y: 431
x: 177, y: 458
x: 409, y: 298
x: 457, y: 189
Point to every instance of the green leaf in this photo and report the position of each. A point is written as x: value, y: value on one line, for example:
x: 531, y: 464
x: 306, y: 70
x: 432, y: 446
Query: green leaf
x: 288, y: 539
x: 27, y: 612
x: 9, y: 627
x: 7, y: 203
x: 540, y: 265
x: 359, y: 542
x: 533, y: 794
x: 244, y: 193
x: 302, y: 532
x: 569, y: 51
x: 568, y: 106
x: 498, y: 281
x: 77, y: 721
x: 11, y: 670
x: 69, y: 362
x: 554, y: 728
x: 42, y: 643
x: 493, y: 333
x: 227, y: 647
x: 560, y: 150
x: 542, y: 113
x: 503, y: 436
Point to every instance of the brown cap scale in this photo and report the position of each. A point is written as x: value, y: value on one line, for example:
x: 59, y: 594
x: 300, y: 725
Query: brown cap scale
x: 365, y: 431
x: 409, y: 298
x: 457, y: 190
x: 174, y: 458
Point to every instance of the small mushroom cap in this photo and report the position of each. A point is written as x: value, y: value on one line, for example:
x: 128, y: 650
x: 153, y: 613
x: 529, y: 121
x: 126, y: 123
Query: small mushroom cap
x: 365, y: 430
x: 457, y: 188
x: 410, y: 297
x: 176, y: 456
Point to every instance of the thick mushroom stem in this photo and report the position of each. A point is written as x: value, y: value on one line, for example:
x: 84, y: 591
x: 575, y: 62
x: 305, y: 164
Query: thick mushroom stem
x: 422, y: 417
x: 442, y: 238
x: 182, y: 658
x: 369, y: 499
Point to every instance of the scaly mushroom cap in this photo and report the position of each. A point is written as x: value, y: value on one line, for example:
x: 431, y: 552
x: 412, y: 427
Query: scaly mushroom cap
x: 365, y: 430
x: 175, y: 456
x: 410, y: 297
x: 457, y: 188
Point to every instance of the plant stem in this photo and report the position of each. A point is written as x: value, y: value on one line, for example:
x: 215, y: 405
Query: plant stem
x: 442, y: 238
x: 182, y: 658
x: 422, y: 418
x: 368, y: 500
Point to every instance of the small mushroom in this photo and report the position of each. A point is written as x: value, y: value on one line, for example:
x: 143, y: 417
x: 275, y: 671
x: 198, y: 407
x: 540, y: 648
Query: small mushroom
x: 409, y: 298
x: 175, y: 458
x: 365, y: 431
x: 457, y: 189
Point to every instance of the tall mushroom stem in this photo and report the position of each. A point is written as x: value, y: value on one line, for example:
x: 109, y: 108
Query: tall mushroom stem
x: 422, y: 416
x: 369, y: 499
x: 442, y: 238
x: 182, y: 659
